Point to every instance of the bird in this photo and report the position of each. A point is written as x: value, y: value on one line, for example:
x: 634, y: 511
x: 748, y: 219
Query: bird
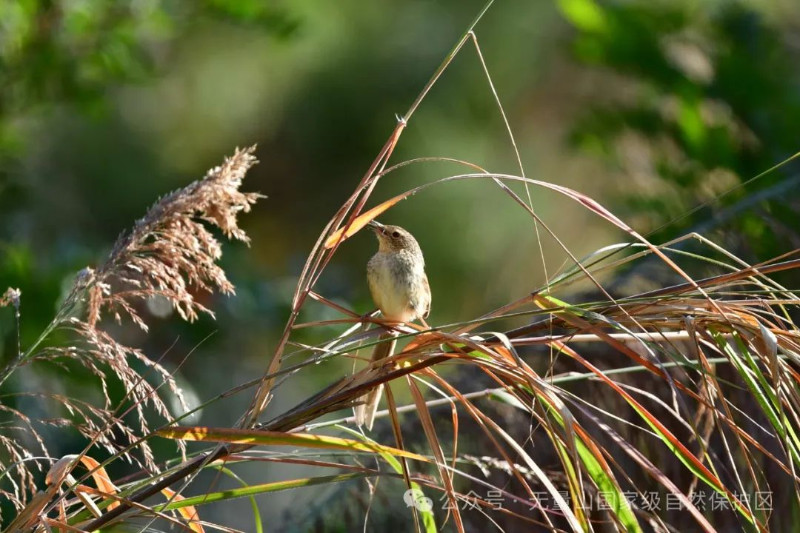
x: 399, y: 287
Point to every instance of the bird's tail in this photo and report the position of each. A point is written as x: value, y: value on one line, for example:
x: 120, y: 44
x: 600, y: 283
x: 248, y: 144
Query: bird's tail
x: 365, y: 412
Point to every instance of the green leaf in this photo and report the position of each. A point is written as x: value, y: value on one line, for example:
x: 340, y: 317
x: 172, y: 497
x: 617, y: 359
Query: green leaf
x: 259, y: 528
x: 277, y: 438
x: 607, y: 486
x: 428, y: 520
x: 585, y: 15
x: 251, y: 490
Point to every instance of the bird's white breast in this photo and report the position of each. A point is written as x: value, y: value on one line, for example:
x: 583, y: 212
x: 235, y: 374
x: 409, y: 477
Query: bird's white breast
x: 397, y: 286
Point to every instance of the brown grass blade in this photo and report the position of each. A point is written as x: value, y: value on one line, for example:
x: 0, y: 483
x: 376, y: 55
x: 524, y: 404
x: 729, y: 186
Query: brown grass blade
x: 433, y: 441
x: 347, y: 231
x: 189, y: 513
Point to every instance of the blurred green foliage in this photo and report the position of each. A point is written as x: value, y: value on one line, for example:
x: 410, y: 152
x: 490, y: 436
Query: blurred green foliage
x: 53, y: 51
x: 708, y: 99
x: 69, y: 54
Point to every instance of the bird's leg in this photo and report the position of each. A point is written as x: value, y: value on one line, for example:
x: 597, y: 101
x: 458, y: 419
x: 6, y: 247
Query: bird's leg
x: 368, y: 405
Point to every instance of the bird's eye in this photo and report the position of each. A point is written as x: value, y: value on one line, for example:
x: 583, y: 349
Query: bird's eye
x: 395, y: 234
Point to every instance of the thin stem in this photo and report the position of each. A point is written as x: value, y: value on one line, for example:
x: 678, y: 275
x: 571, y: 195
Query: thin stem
x: 557, y: 380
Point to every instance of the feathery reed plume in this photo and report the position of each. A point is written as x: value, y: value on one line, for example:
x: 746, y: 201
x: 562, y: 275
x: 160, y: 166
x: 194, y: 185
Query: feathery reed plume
x: 10, y: 297
x: 170, y: 250
x: 169, y: 253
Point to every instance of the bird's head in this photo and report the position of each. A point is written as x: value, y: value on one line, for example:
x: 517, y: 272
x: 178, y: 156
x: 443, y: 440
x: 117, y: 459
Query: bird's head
x: 394, y: 238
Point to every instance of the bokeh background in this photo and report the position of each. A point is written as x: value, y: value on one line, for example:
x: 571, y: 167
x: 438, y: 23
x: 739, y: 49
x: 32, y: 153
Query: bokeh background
x: 653, y: 108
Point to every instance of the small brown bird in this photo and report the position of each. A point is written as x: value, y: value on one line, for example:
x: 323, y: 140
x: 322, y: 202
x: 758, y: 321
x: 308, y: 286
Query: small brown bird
x: 399, y: 287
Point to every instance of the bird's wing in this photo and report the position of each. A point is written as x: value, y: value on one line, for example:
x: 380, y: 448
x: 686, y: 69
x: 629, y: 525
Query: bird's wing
x: 372, y: 281
x: 428, y: 292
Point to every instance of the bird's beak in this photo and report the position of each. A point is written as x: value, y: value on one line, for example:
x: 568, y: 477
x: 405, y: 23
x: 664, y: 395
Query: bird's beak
x: 376, y: 226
